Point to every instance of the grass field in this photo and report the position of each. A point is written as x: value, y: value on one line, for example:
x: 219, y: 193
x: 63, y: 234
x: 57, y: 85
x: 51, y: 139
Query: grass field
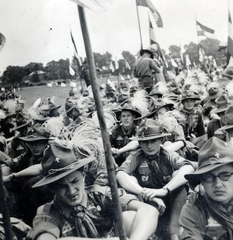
x: 31, y: 94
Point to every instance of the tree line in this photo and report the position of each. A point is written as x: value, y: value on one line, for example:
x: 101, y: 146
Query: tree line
x: 56, y: 70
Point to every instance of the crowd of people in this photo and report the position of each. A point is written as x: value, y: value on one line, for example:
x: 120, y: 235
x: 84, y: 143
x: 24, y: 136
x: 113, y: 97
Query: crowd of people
x: 171, y: 137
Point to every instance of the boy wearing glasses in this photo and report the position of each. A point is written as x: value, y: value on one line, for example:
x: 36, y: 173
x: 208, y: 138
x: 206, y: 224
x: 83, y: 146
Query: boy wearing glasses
x: 209, y: 212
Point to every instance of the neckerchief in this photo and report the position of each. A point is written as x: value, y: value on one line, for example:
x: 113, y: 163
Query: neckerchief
x: 223, y: 214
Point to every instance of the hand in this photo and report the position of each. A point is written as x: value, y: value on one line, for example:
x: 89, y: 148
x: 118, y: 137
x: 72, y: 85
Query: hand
x: 8, y: 178
x: 115, y: 151
x: 160, y: 205
x: 148, y: 194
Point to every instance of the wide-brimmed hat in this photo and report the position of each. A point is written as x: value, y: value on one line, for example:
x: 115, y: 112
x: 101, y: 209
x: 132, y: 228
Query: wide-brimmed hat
x: 148, y: 130
x: 213, y: 154
x: 21, y: 121
x: 70, y: 105
x: 58, y: 162
x: 158, y: 105
x: 128, y: 107
x: 146, y: 50
x: 227, y: 119
x: 222, y: 103
x: 188, y: 94
x: 228, y: 72
x: 37, y: 133
x: 155, y: 92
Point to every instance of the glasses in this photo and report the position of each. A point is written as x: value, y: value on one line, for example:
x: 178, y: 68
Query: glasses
x: 210, y: 178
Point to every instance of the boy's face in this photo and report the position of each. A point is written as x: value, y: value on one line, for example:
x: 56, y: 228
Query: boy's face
x: 189, y: 104
x: 127, y: 119
x: 70, y: 189
x: 37, y: 147
x: 151, y: 147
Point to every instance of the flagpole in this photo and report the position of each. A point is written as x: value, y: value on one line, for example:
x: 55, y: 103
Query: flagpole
x: 139, y: 26
x: 103, y: 127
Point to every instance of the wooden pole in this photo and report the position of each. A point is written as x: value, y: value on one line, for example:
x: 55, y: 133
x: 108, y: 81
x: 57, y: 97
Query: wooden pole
x: 104, y: 131
x: 4, y: 209
x: 139, y: 26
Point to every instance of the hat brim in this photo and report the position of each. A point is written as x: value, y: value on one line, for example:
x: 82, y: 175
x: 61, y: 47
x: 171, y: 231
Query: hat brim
x: 169, y: 105
x: 142, y: 51
x: 194, y: 98
x: 55, y: 107
x: 195, y: 175
x: 218, y: 110
x: 32, y: 139
x: 53, y: 178
x: 136, y: 113
x: 70, y: 109
x: 142, y: 139
x: 21, y: 126
x: 226, y: 127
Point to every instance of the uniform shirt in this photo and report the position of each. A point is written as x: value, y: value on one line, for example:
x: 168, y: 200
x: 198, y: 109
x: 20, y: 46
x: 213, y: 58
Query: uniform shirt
x: 197, y: 223
x: 57, y: 218
x: 119, y: 138
x: 212, y: 126
x: 156, y: 171
x: 143, y: 67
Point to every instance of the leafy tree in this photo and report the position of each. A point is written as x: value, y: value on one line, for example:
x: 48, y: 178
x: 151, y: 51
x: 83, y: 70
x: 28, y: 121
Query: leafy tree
x: 192, y: 51
x: 35, y: 77
x: 174, y: 51
x: 13, y: 75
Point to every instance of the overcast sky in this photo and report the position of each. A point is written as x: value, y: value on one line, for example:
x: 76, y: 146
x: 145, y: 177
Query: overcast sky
x: 39, y: 30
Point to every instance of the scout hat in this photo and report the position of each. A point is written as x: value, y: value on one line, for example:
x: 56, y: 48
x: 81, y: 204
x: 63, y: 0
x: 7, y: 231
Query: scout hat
x: 146, y: 50
x: 227, y: 119
x: 188, y: 94
x: 148, y: 130
x: 158, y: 105
x: 213, y: 154
x: 222, y: 104
x: 58, y: 162
x: 37, y: 133
x: 70, y: 105
x: 21, y: 121
x: 155, y: 92
x: 228, y: 72
x: 129, y: 107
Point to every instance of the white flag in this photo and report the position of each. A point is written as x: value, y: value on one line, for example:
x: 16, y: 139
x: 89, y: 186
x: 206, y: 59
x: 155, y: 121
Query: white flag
x: 71, y: 70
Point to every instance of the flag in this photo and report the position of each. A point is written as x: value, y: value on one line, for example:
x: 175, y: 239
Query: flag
x: 122, y: 78
x: 111, y: 67
x: 95, y: 5
x: 174, y: 64
x: 2, y: 41
x: 201, y: 53
x: 71, y: 70
x: 154, y: 11
x: 204, y: 31
x: 230, y: 35
x: 116, y: 64
x: 187, y: 61
x: 76, y: 55
x: 152, y: 35
x: 127, y: 65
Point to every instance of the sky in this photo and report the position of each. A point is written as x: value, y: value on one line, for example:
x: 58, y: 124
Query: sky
x: 39, y: 30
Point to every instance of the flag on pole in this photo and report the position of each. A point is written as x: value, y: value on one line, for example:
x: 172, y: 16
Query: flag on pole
x: 122, y: 78
x: 152, y: 35
x: 174, y: 64
x: 111, y: 67
x: 116, y: 64
x: 2, y: 41
x: 76, y: 55
x: 187, y: 61
x: 95, y: 5
x: 154, y: 11
x: 71, y: 70
x: 230, y: 35
x: 201, y: 53
x: 127, y: 65
x: 204, y: 31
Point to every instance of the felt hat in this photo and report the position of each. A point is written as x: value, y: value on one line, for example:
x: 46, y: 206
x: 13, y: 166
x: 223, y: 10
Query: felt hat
x: 128, y: 107
x: 37, y: 133
x: 158, y: 105
x: 222, y: 104
x: 58, y: 162
x: 148, y: 130
x: 21, y: 121
x: 155, y: 92
x: 70, y: 105
x: 227, y: 119
x: 213, y: 154
x: 146, y: 50
x: 188, y: 94
x: 228, y: 72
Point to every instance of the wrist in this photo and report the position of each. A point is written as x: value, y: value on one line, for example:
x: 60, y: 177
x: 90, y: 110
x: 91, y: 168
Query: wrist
x: 167, y: 190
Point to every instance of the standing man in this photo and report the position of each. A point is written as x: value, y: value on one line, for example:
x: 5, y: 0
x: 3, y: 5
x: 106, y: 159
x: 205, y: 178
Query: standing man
x: 209, y: 212
x: 82, y: 212
x: 143, y: 69
x: 159, y: 175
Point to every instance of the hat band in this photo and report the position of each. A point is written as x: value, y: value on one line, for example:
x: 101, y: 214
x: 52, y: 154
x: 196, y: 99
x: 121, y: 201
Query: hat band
x: 68, y: 167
